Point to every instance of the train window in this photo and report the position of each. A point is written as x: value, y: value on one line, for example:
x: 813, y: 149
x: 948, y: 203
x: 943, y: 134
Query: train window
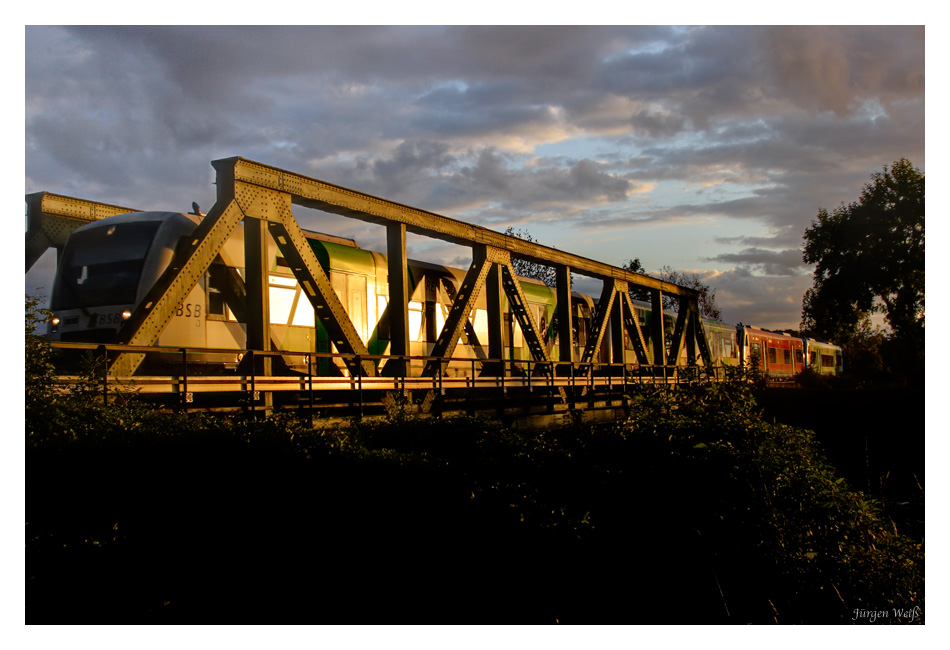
x: 580, y: 332
x: 280, y: 303
x: 439, y: 320
x: 303, y: 314
x: 773, y: 356
x: 786, y: 357
x: 515, y: 329
x: 432, y: 329
x: 415, y: 321
x: 338, y: 282
x: 102, y: 266
x: 812, y: 358
x: 827, y: 361
x: 382, y: 331
x: 481, y: 326
x: 799, y: 357
x: 217, y: 281
x: 728, y: 351
x: 281, y: 281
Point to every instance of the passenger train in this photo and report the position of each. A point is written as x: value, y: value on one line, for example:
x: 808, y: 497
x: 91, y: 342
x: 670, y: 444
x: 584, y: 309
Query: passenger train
x: 107, y: 267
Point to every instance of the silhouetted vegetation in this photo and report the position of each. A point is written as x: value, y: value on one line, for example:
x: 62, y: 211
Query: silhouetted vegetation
x: 869, y: 258
x: 694, y: 509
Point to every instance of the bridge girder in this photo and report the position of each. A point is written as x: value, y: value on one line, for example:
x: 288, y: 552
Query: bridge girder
x: 51, y: 218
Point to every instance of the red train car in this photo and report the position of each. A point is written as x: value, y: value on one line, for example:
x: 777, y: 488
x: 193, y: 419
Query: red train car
x: 781, y: 356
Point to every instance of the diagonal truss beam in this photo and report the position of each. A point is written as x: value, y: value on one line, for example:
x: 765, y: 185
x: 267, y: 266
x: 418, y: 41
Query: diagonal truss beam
x: 679, y: 333
x: 316, y: 286
x: 447, y: 289
x: 190, y: 262
x: 483, y: 258
x: 699, y: 334
x: 632, y: 325
x: 518, y: 305
x: 688, y: 331
x: 599, y: 326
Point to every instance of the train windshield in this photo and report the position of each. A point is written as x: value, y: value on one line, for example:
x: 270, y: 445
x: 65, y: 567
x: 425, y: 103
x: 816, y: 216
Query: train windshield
x: 102, y: 266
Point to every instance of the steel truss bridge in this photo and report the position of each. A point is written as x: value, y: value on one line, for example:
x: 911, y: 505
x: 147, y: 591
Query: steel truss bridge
x: 262, y: 197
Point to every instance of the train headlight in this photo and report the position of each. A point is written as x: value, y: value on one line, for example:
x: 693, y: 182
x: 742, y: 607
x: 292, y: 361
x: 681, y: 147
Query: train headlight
x: 126, y: 315
x: 55, y: 321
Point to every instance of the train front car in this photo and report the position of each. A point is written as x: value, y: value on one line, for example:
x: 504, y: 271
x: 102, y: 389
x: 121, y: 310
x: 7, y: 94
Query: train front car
x: 106, y: 269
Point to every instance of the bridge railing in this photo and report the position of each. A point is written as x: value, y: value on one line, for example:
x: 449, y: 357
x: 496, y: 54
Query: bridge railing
x: 185, y: 373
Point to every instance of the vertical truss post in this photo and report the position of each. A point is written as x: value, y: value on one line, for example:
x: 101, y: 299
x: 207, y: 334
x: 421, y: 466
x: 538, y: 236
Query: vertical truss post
x: 256, y: 272
x: 657, y: 329
x: 398, y: 298
x: 692, y: 328
x: 617, y: 354
x: 495, y: 309
x: 565, y: 315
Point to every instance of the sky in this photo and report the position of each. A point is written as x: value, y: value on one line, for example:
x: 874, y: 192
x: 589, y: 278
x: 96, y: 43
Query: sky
x: 707, y: 149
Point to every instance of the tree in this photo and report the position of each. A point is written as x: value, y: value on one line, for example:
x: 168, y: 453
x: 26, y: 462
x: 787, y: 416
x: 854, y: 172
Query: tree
x: 869, y: 257
x: 637, y: 293
x: 707, y: 295
x: 526, y: 269
x: 39, y: 373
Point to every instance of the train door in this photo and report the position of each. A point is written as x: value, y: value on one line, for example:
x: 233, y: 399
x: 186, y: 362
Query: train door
x: 356, y: 287
x: 799, y: 352
x: 756, y: 355
x: 351, y: 290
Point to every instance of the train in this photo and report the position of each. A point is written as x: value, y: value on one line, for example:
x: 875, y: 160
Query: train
x: 107, y: 267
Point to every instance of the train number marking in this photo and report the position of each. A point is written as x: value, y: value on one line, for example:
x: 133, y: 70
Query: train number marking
x: 189, y: 310
x: 101, y: 320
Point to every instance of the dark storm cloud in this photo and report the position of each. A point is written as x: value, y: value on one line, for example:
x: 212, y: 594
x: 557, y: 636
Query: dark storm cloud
x: 769, y: 301
x: 425, y: 173
x: 769, y: 262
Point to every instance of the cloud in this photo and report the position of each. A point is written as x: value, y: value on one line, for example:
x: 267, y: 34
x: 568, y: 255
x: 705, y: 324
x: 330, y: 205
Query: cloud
x: 595, y: 129
x: 766, y: 301
x: 769, y: 262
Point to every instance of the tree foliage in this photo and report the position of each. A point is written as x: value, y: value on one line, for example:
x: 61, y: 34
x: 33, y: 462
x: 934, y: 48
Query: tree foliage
x: 869, y: 257
x: 38, y: 365
x: 707, y: 294
x: 527, y: 269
